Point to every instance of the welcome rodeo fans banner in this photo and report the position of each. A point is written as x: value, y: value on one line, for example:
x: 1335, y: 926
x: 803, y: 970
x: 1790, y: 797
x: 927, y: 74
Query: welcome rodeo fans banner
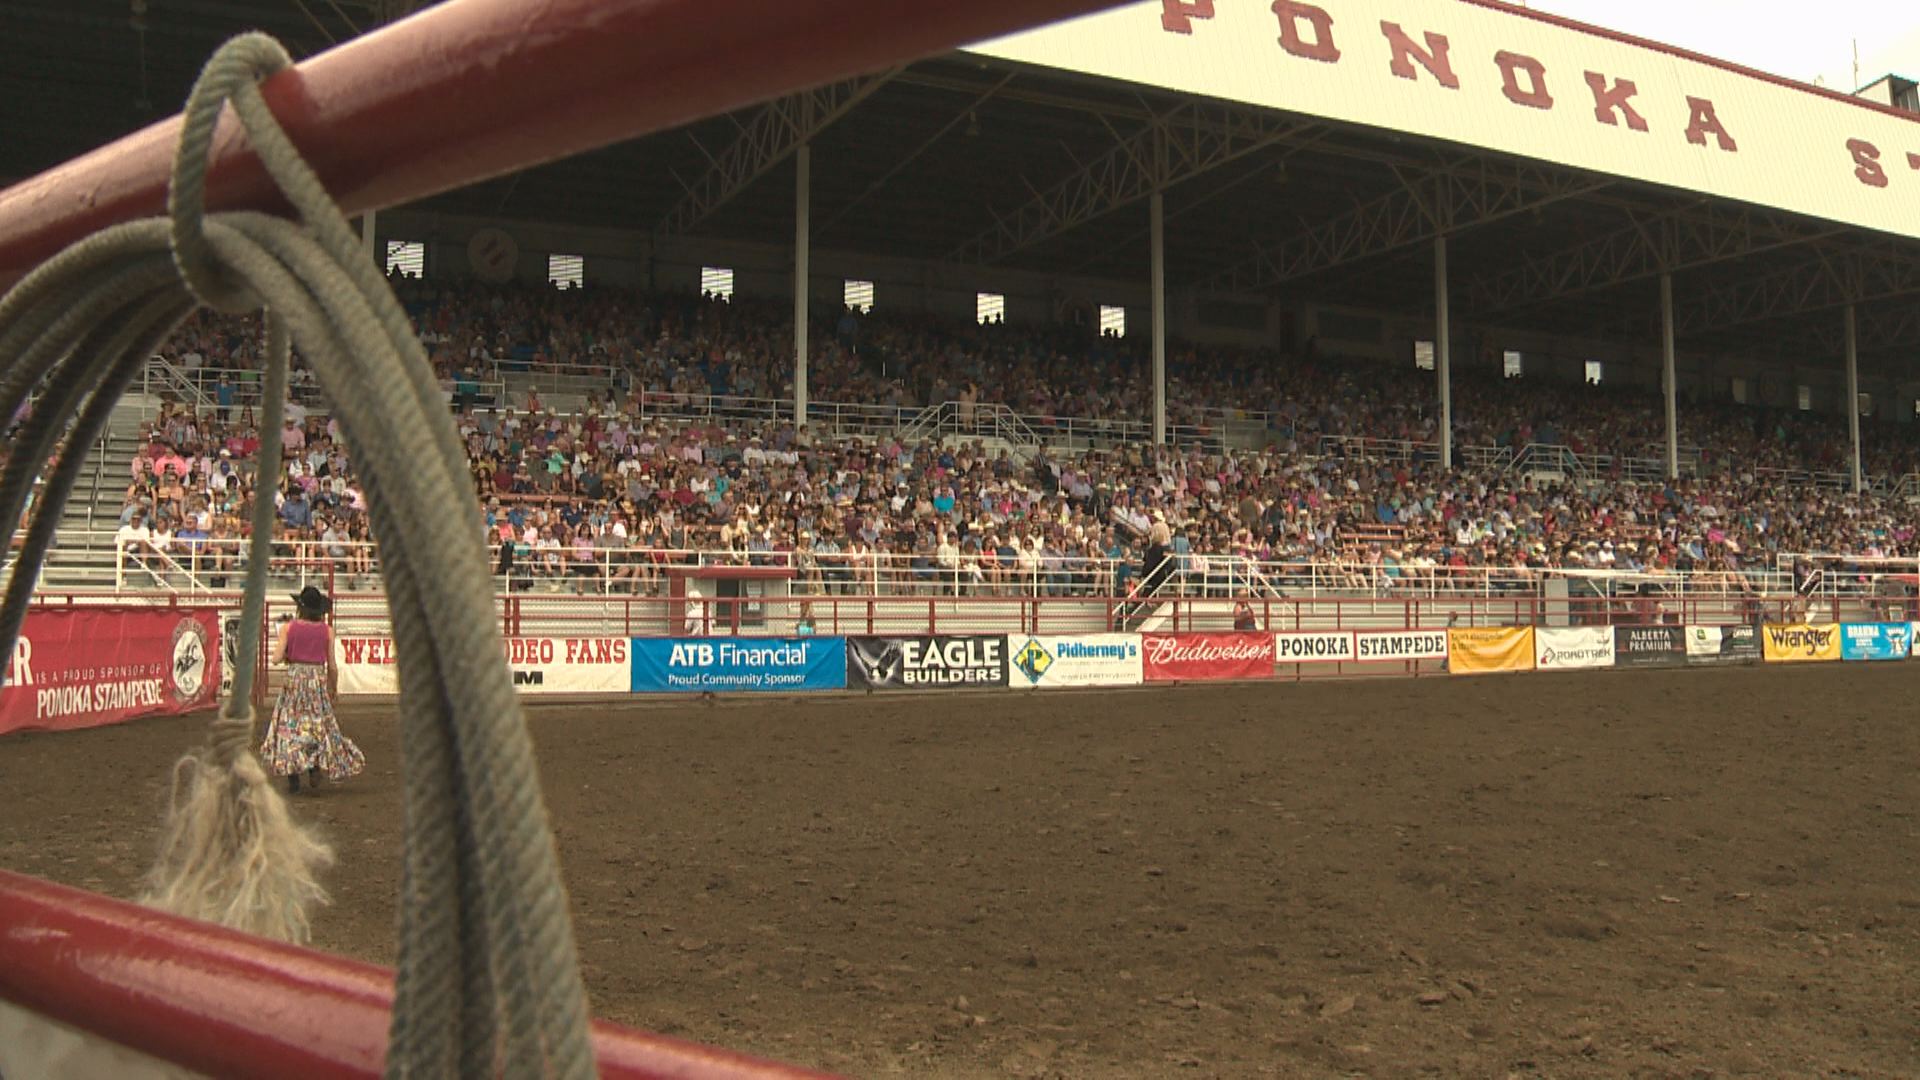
x: 1477, y: 650
x: 1084, y: 660
x: 368, y: 665
x: 1876, y: 641
x: 1801, y: 643
x: 89, y: 667
x: 931, y: 662
x: 1723, y: 644
x: 727, y: 665
x: 1174, y: 657
x: 1572, y: 648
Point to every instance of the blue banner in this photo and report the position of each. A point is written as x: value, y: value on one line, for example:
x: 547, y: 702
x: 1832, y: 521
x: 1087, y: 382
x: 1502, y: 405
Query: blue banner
x: 1876, y: 641
x: 733, y: 665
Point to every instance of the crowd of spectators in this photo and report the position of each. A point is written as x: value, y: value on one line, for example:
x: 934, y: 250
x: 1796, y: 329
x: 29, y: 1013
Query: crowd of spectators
x: 614, y: 491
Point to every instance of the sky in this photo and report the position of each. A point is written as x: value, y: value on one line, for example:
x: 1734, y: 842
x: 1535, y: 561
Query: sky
x: 1801, y: 41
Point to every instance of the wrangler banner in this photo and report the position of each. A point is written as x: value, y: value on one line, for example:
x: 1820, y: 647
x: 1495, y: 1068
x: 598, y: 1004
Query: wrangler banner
x: 94, y: 666
x: 1483, y: 649
x: 1801, y: 643
x: 930, y: 662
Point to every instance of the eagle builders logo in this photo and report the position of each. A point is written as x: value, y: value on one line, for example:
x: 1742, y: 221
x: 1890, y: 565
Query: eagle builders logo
x: 189, y: 667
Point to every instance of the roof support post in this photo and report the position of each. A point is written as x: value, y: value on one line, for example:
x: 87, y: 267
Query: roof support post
x: 1853, y: 399
x: 1443, y: 349
x: 802, y: 244
x: 1156, y: 211
x: 1670, y: 381
x: 366, y: 234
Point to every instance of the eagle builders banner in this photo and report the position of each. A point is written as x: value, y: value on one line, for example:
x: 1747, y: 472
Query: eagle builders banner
x: 1170, y: 657
x: 930, y: 662
x: 1876, y: 641
x: 79, y: 668
x: 367, y: 665
x: 1481, y: 649
x: 1083, y: 660
x: 1723, y: 644
x: 1572, y: 648
x: 729, y: 665
x: 1801, y: 643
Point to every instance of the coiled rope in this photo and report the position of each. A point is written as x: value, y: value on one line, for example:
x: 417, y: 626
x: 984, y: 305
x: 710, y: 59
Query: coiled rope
x: 487, y: 980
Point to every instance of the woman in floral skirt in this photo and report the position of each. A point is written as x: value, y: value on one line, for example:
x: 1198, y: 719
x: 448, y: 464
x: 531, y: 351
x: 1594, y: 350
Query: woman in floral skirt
x: 304, y: 737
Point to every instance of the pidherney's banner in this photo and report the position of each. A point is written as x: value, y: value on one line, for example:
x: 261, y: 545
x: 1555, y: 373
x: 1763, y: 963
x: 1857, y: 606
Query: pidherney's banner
x: 1801, y: 643
x: 1490, y: 648
x: 94, y: 666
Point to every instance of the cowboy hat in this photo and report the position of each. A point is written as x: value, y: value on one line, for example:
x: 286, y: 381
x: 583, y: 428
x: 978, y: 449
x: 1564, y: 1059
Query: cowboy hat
x: 312, y: 599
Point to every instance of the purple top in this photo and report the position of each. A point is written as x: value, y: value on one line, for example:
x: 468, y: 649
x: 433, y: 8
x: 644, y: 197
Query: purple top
x: 307, y: 642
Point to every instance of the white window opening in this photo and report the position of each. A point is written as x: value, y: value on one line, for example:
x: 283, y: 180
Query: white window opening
x: 1740, y: 391
x: 1865, y: 404
x: 1423, y: 355
x: 567, y: 271
x: 1113, y: 321
x: 407, y: 256
x: 859, y: 296
x: 716, y: 282
x: 1803, y: 398
x: 989, y: 307
x: 1595, y: 372
x: 1511, y: 364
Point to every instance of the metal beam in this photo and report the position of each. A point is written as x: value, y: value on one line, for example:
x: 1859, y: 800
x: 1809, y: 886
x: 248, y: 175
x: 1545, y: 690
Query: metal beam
x: 913, y: 155
x: 1184, y: 142
x: 1429, y: 203
x: 1833, y: 279
x: 773, y: 133
x: 1651, y: 244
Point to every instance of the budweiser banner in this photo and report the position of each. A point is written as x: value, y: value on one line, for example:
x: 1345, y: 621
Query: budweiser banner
x: 1480, y: 649
x: 1571, y: 648
x: 1168, y: 657
x: 1381, y: 646
x: 1649, y: 646
x: 1723, y: 644
x: 1801, y: 643
x: 932, y: 662
x: 1084, y: 660
x: 79, y: 668
x: 367, y: 665
x: 1326, y: 647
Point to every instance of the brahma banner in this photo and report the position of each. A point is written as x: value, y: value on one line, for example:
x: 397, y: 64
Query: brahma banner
x: 87, y: 667
x: 1572, y: 648
x: 1876, y: 641
x: 728, y: 665
x: 934, y: 662
x: 1723, y: 644
x: 1325, y: 647
x: 1801, y: 643
x: 1381, y: 646
x: 1176, y: 657
x: 368, y: 665
x: 1482, y: 649
x: 1084, y: 660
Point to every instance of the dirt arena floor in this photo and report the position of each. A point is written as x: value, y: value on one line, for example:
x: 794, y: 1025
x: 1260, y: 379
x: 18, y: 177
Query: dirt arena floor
x: 1685, y: 874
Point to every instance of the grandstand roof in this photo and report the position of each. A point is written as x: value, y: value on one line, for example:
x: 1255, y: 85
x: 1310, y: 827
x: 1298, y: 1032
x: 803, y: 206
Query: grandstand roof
x: 975, y: 159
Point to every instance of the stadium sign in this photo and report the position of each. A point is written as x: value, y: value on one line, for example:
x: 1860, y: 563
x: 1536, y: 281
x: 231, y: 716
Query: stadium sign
x: 933, y: 662
x: 85, y: 668
x: 370, y: 665
x: 1045, y: 662
x: 1379, y: 646
x: 1323, y: 647
x: 1518, y: 82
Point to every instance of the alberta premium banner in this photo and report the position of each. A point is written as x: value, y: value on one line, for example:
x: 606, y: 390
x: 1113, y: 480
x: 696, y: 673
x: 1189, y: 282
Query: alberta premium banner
x: 1481, y: 649
x: 932, y: 662
x: 1801, y: 643
x: 1649, y: 646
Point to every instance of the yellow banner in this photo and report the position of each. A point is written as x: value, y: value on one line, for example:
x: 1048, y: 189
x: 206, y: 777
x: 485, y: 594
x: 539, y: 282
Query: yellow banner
x: 1802, y: 643
x: 1490, y: 648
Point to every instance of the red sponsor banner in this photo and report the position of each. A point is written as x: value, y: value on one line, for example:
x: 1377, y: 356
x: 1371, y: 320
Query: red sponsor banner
x: 1206, y: 656
x: 86, y: 667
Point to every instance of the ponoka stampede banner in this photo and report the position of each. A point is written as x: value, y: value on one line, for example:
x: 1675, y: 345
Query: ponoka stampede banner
x: 368, y: 665
x: 79, y: 668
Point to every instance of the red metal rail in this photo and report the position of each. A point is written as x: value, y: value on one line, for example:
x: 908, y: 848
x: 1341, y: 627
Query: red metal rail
x: 477, y: 88
x: 223, y: 1003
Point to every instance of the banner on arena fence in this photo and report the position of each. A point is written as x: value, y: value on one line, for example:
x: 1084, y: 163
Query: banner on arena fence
x: 603, y: 665
x: 1050, y: 662
x: 927, y: 662
x: 1649, y: 646
x: 727, y: 665
x: 1876, y: 641
x: 1723, y: 644
x: 1381, y: 646
x: 1801, y: 643
x: 80, y: 668
x: 1480, y: 649
x: 1572, y: 648
x: 1168, y: 657
x: 1323, y: 647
